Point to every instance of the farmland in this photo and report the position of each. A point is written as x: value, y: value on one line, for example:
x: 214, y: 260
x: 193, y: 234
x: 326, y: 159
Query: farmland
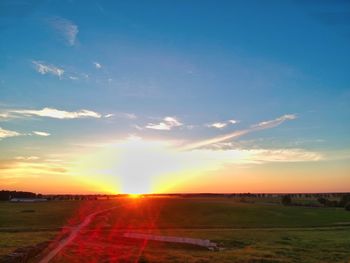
x: 256, y: 231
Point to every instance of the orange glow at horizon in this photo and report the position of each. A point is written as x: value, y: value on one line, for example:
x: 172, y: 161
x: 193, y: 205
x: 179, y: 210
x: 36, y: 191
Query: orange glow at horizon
x: 138, y: 166
x: 134, y: 196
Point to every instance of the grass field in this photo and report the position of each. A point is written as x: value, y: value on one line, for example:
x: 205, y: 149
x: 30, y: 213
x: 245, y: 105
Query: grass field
x: 36, y: 215
x: 224, y: 213
x: 249, y: 232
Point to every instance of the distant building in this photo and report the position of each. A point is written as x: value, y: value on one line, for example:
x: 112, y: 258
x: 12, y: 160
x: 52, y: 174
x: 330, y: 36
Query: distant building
x: 27, y: 200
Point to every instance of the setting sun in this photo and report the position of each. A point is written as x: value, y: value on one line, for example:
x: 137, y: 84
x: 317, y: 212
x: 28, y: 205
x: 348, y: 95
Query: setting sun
x: 162, y: 130
x: 162, y: 104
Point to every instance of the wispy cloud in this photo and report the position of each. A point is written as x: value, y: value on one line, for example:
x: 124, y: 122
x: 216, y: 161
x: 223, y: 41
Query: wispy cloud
x: 221, y: 125
x: 57, y: 114
x: 44, y: 68
x: 255, y: 156
x: 126, y: 115
x: 217, y: 125
x: 41, y: 133
x: 28, y: 167
x: 97, y: 65
x: 61, y: 114
x: 66, y: 28
x: 260, y: 126
x: 8, y: 133
x: 284, y: 155
x: 4, y: 115
x: 275, y: 122
x: 29, y: 158
x: 232, y: 121
x: 167, y: 124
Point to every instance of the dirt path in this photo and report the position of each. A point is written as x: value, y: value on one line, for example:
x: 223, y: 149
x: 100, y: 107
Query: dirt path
x: 73, y: 234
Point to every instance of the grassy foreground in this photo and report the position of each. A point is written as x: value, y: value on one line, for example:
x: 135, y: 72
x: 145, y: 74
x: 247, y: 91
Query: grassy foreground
x: 250, y: 232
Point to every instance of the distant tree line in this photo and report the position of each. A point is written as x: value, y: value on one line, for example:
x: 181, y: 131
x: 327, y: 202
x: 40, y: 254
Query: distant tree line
x: 76, y: 197
x: 344, y: 201
x: 286, y: 200
x: 7, y: 195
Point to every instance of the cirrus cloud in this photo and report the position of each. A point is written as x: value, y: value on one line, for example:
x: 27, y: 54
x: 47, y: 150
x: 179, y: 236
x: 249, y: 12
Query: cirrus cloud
x: 57, y: 114
x: 44, y: 68
x: 167, y: 124
x: 97, y: 65
x: 66, y: 28
x: 256, y: 127
x: 221, y: 125
x: 217, y: 125
x: 275, y: 122
x: 8, y: 133
x: 41, y: 133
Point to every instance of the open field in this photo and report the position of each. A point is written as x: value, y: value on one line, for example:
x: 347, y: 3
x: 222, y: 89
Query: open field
x: 287, y: 245
x: 259, y: 231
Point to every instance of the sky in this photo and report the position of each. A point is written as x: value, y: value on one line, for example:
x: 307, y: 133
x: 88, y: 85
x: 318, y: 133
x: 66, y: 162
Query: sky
x: 174, y: 96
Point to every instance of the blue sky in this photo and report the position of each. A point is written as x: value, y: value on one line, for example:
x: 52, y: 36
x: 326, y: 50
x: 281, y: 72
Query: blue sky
x: 183, y: 71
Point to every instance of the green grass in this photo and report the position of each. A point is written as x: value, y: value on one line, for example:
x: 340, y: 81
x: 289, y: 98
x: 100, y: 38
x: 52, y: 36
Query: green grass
x: 327, y: 245
x: 174, y: 213
x: 53, y: 214
x: 45, y: 215
x: 9, y: 241
x: 330, y: 245
x: 250, y: 232
x: 19, y: 228
x: 224, y: 213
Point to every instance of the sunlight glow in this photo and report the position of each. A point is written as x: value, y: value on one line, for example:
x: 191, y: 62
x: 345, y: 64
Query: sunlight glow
x: 134, y: 196
x: 138, y: 166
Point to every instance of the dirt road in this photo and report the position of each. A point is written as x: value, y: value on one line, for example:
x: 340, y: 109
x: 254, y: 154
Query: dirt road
x: 73, y: 234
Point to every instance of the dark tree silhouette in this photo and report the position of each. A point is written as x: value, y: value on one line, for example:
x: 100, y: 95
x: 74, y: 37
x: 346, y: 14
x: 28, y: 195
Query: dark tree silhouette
x: 7, y: 195
x: 345, y: 199
x: 286, y: 200
x: 322, y: 200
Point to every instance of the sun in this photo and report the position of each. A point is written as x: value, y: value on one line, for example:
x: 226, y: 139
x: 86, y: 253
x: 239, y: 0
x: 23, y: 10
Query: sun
x: 137, y: 166
x: 133, y: 166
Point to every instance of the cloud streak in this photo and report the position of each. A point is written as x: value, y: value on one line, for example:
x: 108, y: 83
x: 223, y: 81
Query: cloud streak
x: 124, y: 115
x: 167, y: 124
x: 57, y: 114
x: 221, y: 125
x: 8, y: 133
x: 217, y: 125
x: 254, y: 156
x: 41, y: 133
x: 260, y: 126
x: 66, y: 28
x: 27, y: 158
x: 284, y: 155
x: 97, y: 65
x: 275, y: 122
x: 43, y: 68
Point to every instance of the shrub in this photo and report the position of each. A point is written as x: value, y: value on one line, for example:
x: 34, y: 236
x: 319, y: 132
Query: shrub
x: 332, y: 203
x: 322, y: 200
x: 286, y: 200
x: 347, y: 206
x: 345, y: 199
